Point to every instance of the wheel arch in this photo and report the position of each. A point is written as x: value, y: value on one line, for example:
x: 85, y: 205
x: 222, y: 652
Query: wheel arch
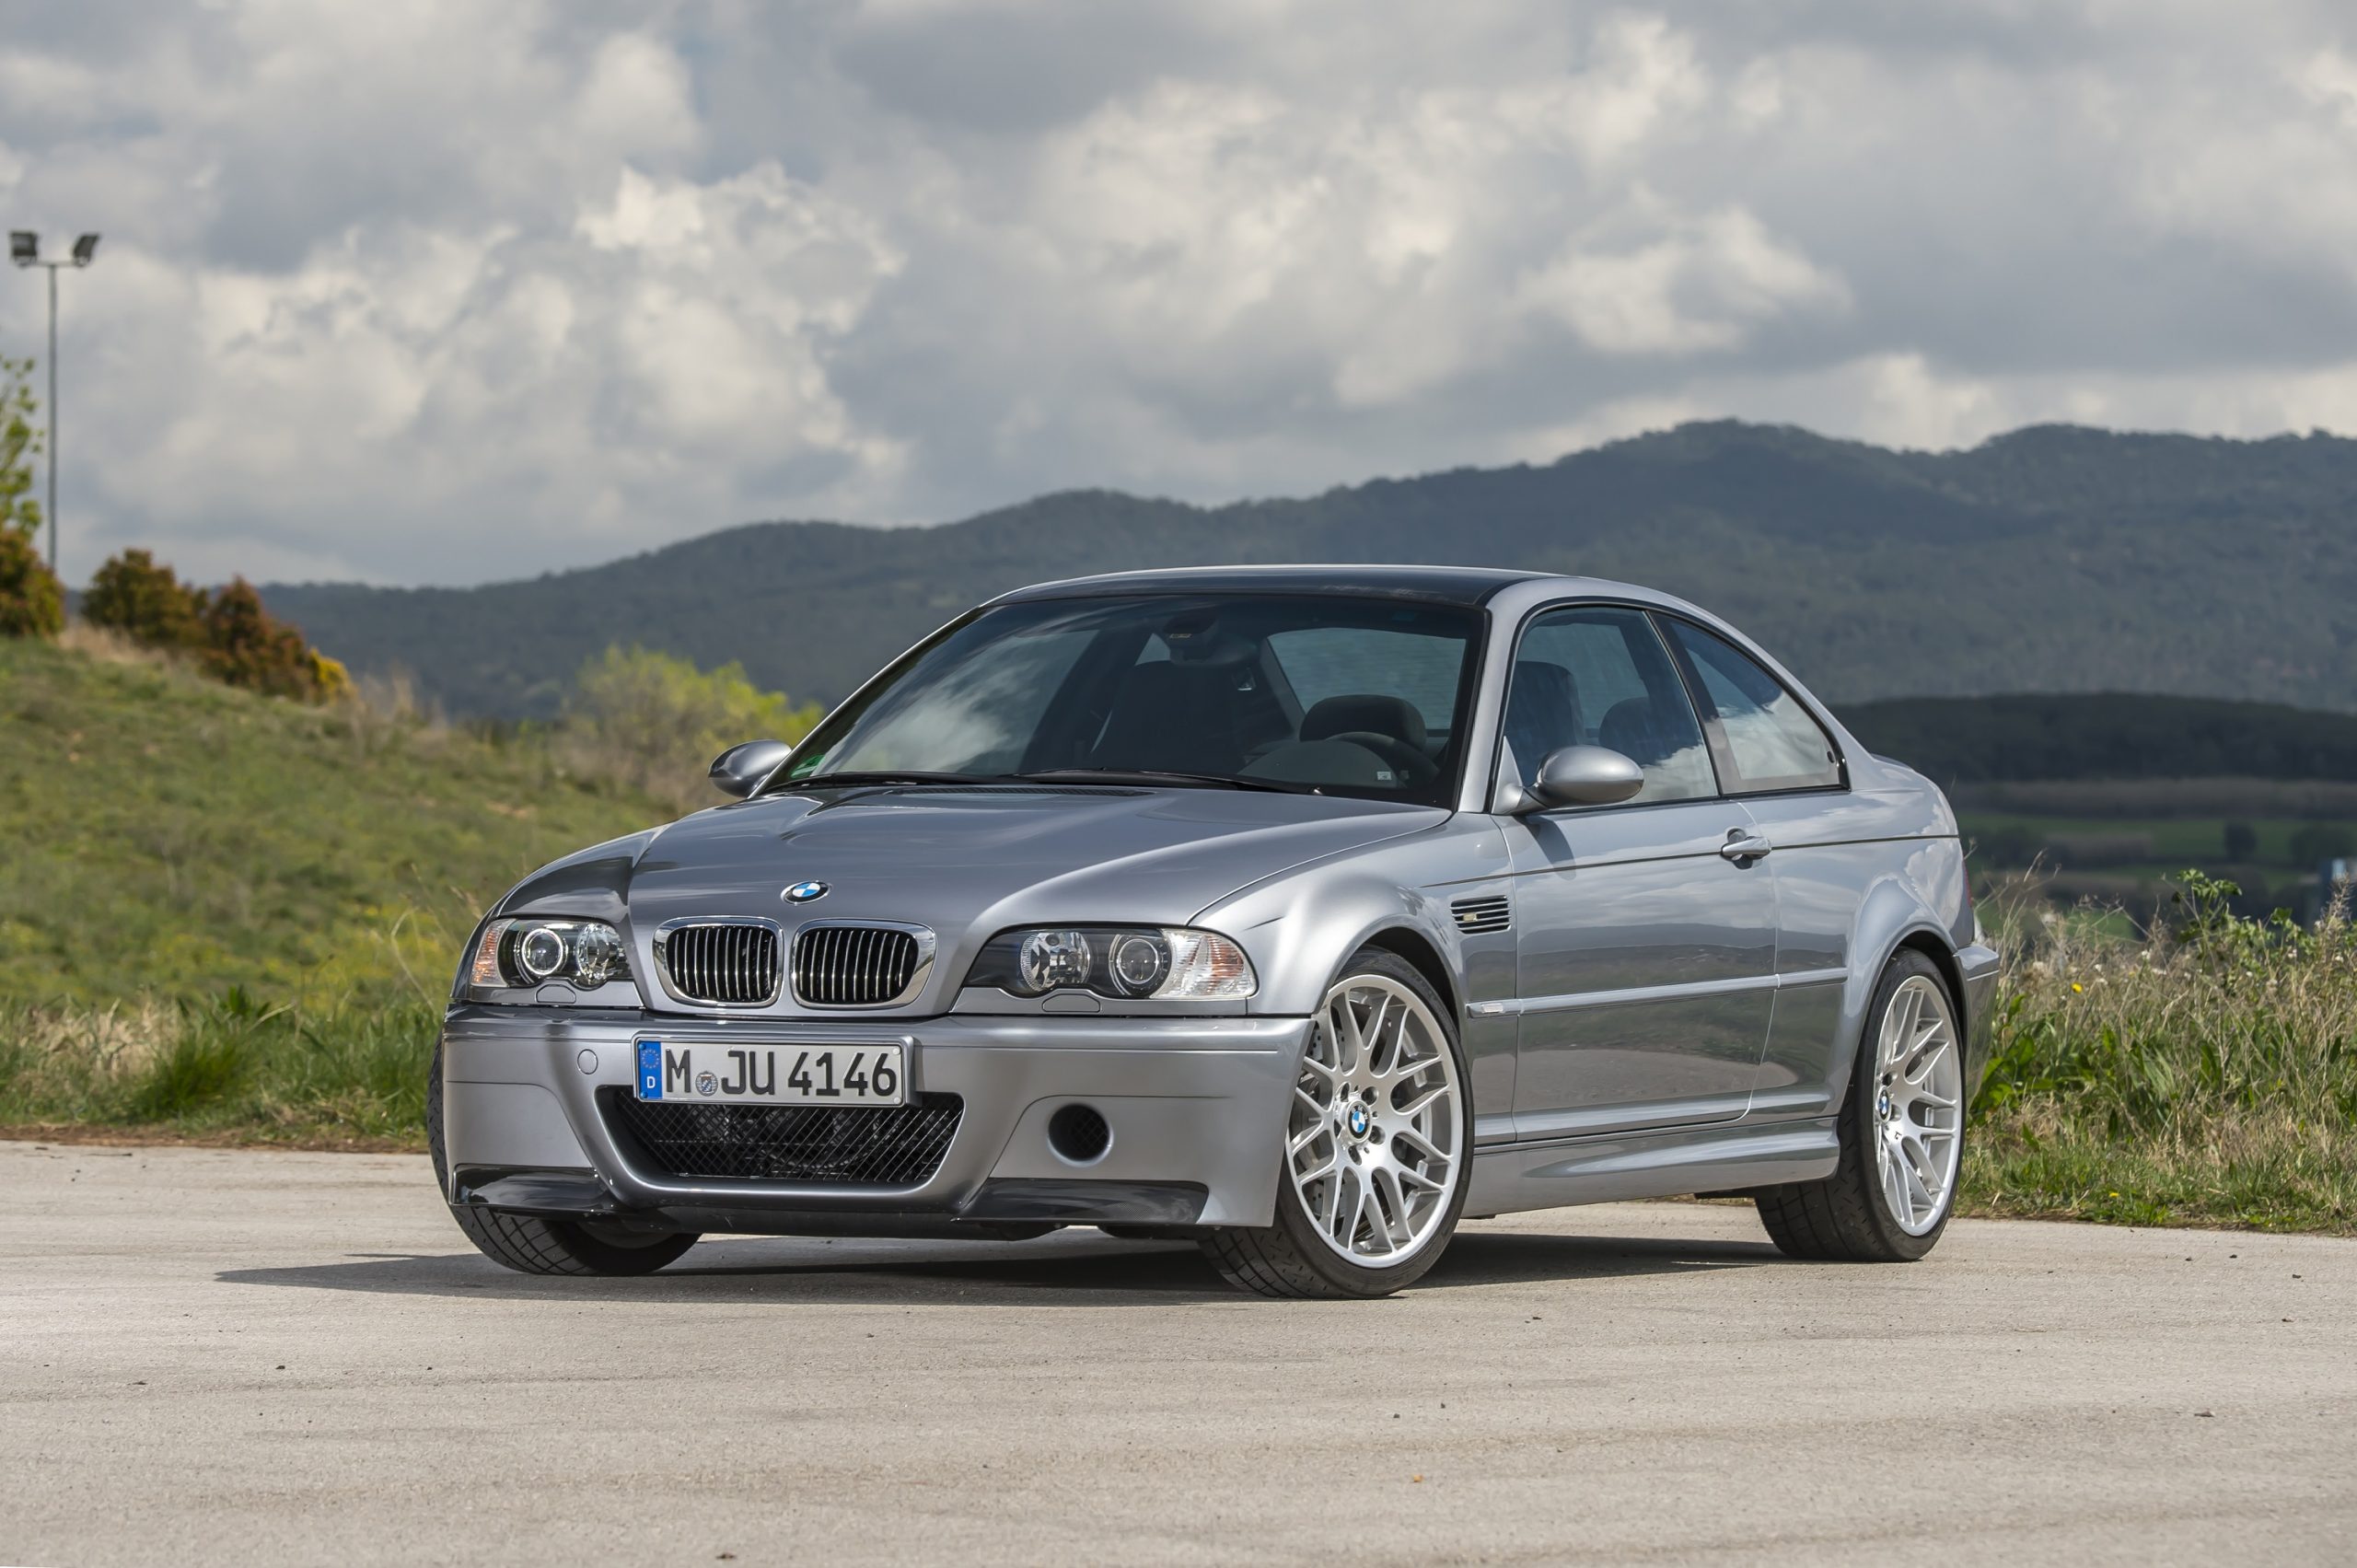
x: 1413, y: 947
x: 1894, y: 917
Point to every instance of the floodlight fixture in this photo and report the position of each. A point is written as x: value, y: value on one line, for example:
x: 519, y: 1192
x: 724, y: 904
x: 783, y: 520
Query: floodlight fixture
x: 24, y: 246
x: 85, y: 248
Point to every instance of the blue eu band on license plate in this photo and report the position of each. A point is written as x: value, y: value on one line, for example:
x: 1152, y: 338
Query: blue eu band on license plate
x: 650, y: 1069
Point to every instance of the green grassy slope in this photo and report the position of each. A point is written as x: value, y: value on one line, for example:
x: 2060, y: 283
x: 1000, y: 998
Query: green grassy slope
x: 2051, y: 558
x: 169, y: 836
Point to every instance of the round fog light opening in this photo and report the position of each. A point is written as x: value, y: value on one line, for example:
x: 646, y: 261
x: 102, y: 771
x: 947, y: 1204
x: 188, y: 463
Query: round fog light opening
x: 1080, y: 1135
x: 542, y: 952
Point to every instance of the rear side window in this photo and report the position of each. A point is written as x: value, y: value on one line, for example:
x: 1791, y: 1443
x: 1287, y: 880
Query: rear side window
x: 1600, y: 677
x: 1765, y: 740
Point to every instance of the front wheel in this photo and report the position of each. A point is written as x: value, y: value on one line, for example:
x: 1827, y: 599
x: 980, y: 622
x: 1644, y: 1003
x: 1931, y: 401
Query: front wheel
x: 1376, y: 1145
x: 1901, y: 1129
x: 531, y: 1244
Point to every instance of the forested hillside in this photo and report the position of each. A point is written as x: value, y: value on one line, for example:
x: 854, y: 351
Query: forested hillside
x: 2052, y: 558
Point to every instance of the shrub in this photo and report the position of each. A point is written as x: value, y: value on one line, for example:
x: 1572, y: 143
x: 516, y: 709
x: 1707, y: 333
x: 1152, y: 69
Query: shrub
x: 229, y: 635
x: 244, y: 645
x: 31, y: 604
x: 146, y: 601
x: 654, y: 722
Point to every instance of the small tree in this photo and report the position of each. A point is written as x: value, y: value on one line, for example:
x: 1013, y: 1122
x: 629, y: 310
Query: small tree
x: 2242, y: 844
x: 245, y: 647
x: 654, y: 721
x: 20, y: 443
x: 31, y: 603
x: 145, y: 602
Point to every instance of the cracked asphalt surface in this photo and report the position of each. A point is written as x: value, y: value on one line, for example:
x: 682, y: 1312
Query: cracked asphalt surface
x: 211, y: 1356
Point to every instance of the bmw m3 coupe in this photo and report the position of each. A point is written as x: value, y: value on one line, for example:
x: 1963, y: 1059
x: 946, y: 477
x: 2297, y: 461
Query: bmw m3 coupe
x: 1296, y: 912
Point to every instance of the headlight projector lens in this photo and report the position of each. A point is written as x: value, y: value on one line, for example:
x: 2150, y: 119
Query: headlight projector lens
x: 1139, y: 963
x: 542, y: 953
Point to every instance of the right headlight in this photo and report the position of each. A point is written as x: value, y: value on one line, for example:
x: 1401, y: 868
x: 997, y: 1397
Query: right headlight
x: 1126, y: 962
x: 517, y: 954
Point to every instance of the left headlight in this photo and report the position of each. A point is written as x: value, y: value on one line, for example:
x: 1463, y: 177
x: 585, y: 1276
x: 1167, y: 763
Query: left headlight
x: 1127, y: 962
x: 513, y: 954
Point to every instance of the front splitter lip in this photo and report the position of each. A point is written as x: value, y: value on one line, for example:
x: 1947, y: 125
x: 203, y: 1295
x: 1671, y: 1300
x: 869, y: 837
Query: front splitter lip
x: 1195, y: 1101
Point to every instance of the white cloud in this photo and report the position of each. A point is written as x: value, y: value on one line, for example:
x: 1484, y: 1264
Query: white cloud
x: 474, y: 287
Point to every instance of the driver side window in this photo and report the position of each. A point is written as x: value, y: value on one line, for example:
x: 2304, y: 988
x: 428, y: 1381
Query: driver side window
x: 1600, y: 677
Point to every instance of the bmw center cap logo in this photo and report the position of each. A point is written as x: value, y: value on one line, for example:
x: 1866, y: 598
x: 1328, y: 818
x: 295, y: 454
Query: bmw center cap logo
x: 1360, y: 1121
x: 803, y: 893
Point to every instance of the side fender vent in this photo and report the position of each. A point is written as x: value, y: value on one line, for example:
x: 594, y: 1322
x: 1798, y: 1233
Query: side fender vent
x: 1478, y: 917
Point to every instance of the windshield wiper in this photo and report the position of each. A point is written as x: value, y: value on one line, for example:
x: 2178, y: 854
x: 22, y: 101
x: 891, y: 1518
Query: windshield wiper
x: 1161, y: 776
x: 854, y: 780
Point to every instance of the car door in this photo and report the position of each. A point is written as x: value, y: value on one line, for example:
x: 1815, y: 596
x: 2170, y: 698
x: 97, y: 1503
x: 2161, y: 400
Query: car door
x: 1646, y: 953
x: 1773, y: 754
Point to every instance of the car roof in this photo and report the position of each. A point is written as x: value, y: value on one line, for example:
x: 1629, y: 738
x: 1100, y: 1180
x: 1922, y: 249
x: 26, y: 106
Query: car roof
x: 1455, y: 585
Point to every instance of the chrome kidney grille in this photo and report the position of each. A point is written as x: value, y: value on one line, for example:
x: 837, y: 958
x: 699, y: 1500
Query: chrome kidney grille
x: 729, y: 965
x: 859, y: 966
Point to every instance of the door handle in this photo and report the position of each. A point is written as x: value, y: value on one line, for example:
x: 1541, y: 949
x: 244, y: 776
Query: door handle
x: 1744, y: 845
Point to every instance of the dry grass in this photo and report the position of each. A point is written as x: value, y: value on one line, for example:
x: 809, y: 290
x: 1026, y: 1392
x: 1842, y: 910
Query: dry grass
x: 350, y: 1072
x: 108, y: 645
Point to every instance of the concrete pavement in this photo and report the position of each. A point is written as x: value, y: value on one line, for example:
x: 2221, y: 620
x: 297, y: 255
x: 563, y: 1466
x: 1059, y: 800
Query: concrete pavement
x: 237, y: 1358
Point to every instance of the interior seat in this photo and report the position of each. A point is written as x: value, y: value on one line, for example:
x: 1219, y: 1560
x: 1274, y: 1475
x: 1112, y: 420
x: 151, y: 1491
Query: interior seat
x: 1367, y: 714
x: 1543, y: 713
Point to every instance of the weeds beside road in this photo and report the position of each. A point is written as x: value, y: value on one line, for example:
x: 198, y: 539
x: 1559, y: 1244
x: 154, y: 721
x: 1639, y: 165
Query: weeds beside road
x: 2206, y: 1076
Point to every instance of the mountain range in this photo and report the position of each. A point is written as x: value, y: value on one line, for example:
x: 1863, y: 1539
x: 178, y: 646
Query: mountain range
x: 2053, y: 558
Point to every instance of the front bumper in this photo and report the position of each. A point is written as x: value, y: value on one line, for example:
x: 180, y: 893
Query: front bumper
x: 1197, y: 1107
x: 1978, y: 964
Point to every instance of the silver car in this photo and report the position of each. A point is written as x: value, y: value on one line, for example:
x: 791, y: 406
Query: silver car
x: 1299, y: 911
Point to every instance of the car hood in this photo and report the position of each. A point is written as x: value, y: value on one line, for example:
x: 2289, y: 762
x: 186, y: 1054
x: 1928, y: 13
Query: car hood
x: 965, y: 863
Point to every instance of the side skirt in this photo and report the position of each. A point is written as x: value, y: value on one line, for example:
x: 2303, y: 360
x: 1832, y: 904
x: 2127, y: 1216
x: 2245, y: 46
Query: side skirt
x: 1650, y: 1165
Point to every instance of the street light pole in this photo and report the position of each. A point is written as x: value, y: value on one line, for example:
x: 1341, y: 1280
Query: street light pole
x: 24, y: 249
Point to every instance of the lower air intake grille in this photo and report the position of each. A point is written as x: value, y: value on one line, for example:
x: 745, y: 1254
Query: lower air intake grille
x: 899, y: 1146
x: 735, y: 965
x: 1476, y: 916
x: 853, y: 965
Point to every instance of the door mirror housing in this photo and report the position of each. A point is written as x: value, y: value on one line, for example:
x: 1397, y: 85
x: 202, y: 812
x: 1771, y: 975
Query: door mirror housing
x: 1582, y: 775
x: 740, y: 770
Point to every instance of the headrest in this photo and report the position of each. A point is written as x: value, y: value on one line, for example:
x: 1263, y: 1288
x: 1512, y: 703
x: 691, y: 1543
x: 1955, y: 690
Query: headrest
x: 1394, y: 716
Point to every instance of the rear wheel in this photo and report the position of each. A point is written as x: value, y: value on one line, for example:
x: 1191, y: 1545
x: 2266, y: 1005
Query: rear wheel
x: 531, y: 1244
x: 1901, y: 1130
x: 1376, y: 1145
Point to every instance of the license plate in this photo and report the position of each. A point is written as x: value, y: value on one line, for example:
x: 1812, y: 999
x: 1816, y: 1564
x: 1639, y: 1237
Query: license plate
x: 770, y: 1075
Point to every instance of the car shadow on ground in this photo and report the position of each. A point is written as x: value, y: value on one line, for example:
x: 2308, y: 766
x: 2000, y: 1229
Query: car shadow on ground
x: 1075, y: 1267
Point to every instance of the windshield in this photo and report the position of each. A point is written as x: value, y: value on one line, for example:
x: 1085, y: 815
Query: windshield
x: 1342, y: 695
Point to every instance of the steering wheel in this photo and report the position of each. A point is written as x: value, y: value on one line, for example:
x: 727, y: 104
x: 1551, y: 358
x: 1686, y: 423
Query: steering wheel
x: 1410, y: 763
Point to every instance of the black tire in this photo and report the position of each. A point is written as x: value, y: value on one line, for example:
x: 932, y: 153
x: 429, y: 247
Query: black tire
x: 531, y: 1245
x: 1846, y: 1218
x: 1289, y: 1259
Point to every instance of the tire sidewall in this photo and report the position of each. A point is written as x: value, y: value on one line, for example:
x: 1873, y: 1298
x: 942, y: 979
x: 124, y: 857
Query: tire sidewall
x: 1294, y: 1220
x: 1905, y: 965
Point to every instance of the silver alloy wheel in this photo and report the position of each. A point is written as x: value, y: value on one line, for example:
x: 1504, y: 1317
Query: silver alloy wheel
x: 1374, y: 1139
x: 1919, y: 1105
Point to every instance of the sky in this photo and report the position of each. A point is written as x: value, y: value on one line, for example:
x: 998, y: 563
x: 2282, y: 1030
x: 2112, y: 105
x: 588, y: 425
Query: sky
x: 455, y: 290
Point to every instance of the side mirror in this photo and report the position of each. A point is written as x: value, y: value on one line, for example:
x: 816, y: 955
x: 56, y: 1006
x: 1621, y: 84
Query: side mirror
x: 740, y: 768
x: 1583, y: 775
